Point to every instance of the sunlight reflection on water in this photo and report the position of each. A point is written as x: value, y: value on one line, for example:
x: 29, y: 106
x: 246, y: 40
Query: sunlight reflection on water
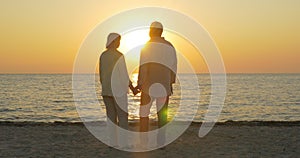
x: 49, y: 98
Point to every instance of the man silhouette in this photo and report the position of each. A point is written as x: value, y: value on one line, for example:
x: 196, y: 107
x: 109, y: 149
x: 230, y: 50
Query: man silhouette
x: 157, y: 73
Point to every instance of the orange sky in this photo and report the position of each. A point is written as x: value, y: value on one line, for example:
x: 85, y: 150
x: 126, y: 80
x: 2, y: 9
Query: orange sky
x: 252, y: 36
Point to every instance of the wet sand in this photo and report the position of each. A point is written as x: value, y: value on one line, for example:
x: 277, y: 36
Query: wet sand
x: 229, y: 139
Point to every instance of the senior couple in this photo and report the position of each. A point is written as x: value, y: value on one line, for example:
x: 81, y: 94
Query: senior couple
x: 157, y: 73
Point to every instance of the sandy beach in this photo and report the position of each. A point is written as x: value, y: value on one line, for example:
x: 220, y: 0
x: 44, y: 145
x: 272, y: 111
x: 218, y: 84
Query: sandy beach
x: 229, y: 139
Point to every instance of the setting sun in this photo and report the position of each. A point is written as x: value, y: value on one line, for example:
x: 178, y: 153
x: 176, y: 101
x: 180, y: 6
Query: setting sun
x: 133, y: 39
x: 131, y: 44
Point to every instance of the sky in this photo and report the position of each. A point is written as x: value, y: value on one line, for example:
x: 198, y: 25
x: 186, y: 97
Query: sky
x: 253, y: 36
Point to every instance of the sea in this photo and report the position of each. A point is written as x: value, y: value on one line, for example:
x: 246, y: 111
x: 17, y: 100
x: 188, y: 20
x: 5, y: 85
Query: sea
x: 249, y: 97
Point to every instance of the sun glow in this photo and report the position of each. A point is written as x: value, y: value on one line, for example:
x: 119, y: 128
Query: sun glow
x: 133, y: 39
x: 131, y: 45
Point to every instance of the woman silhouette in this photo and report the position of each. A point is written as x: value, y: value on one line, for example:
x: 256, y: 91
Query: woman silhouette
x: 115, y: 81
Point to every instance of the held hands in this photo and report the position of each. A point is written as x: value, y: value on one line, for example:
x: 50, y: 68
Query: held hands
x: 135, y: 90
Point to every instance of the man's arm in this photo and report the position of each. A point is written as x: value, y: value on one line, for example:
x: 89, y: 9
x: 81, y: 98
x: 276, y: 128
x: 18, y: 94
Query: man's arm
x: 142, y: 71
x: 174, y: 67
